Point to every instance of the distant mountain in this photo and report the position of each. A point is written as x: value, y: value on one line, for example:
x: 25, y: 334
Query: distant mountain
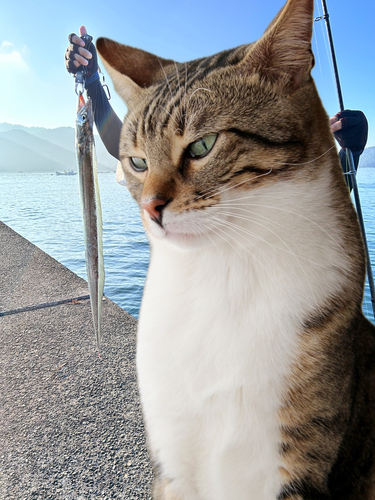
x: 4, y: 127
x: 368, y: 158
x: 44, y: 148
x: 17, y: 158
x: 38, y: 149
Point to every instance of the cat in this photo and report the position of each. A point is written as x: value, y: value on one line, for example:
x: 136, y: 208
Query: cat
x: 255, y: 363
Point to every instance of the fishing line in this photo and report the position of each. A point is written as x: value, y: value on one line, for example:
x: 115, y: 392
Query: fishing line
x: 329, y: 59
x: 317, y: 49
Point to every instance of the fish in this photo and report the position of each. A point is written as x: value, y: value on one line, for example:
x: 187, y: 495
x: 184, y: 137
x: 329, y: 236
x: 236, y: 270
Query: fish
x: 91, y: 208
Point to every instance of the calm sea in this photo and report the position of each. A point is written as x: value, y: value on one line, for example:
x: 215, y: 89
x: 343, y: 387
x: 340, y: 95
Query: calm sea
x: 45, y: 209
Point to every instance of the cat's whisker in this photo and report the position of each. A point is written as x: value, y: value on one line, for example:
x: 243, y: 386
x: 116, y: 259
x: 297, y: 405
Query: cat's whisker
x: 186, y: 105
x: 222, y: 236
x: 244, y: 208
x: 273, y: 207
x: 287, y: 250
x: 310, y: 161
x: 205, y: 233
x: 169, y: 86
x: 254, y: 221
x: 196, y: 90
x: 255, y: 214
x: 247, y: 250
x: 173, y: 118
x: 130, y: 121
x: 205, y: 223
x: 218, y: 225
x: 215, y: 191
x: 220, y: 191
x: 238, y: 229
x: 185, y: 108
x: 133, y: 125
x: 179, y: 110
x: 250, y: 233
x: 178, y: 75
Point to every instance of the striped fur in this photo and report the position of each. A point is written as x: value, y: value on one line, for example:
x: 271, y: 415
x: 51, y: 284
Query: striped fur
x: 255, y: 362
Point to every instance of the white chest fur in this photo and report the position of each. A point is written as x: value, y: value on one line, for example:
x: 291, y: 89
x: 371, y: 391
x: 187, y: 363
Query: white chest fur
x: 217, y: 334
x: 211, y: 364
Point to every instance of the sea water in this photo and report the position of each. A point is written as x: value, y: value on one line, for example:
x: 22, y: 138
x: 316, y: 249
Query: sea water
x: 46, y: 210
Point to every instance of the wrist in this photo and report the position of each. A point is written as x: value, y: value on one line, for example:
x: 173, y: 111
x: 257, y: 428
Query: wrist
x: 92, y: 78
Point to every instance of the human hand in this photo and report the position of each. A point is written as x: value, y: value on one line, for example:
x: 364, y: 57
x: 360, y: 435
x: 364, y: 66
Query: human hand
x: 77, y: 56
x: 350, y: 129
x: 335, y: 123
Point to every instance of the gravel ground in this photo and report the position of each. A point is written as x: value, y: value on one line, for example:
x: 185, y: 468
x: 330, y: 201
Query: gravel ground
x: 71, y: 424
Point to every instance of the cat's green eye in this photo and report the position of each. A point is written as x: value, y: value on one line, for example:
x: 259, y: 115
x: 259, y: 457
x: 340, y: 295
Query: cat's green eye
x: 139, y: 164
x: 203, y: 146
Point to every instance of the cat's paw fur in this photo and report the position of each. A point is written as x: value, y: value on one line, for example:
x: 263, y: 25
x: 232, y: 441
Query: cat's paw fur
x: 162, y: 491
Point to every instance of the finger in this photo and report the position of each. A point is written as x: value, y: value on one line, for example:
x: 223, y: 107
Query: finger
x: 85, y: 53
x: 82, y: 30
x: 77, y: 40
x: 336, y: 126
x: 80, y: 59
x: 333, y: 119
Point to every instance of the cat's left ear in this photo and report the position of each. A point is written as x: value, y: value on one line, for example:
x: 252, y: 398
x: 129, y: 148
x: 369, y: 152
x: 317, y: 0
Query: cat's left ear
x: 130, y: 69
x: 284, y: 53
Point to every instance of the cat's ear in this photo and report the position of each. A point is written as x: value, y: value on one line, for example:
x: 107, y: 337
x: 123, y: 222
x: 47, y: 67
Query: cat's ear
x: 284, y: 52
x: 131, y: 69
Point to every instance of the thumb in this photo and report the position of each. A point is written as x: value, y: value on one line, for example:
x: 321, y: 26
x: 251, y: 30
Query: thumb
x: 82, y: 30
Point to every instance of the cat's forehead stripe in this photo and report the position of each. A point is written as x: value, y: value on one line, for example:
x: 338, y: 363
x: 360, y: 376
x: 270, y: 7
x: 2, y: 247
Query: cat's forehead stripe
x: 145, y: 111
x: 133, y: 132
x: 173, y: 92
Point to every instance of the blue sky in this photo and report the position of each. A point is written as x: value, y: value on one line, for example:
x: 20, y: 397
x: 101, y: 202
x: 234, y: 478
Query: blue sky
x: 36, y: 90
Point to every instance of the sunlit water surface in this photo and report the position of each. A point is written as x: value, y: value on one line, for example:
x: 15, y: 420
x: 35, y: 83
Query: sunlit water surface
x: 45, y: 209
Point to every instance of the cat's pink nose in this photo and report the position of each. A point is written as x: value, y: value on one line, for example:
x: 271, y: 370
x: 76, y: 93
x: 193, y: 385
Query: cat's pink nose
x: 154, y: 208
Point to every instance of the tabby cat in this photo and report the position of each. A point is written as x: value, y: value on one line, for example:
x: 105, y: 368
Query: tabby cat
x: 255, y: 362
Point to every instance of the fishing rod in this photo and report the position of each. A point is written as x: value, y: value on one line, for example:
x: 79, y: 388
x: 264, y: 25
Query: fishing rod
x: 349, y: 155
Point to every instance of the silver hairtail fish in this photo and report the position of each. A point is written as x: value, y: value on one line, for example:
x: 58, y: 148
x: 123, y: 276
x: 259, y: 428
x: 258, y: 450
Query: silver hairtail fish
x: 91, y: 208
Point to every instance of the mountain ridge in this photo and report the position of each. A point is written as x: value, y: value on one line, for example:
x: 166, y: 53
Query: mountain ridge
x: 13, y: 155
x: 55, y: 149
x: 38, y: 149
x: 367, y: 159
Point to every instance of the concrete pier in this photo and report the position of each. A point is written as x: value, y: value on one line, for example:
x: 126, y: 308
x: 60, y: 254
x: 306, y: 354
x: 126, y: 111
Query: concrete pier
x: 70, y: 422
